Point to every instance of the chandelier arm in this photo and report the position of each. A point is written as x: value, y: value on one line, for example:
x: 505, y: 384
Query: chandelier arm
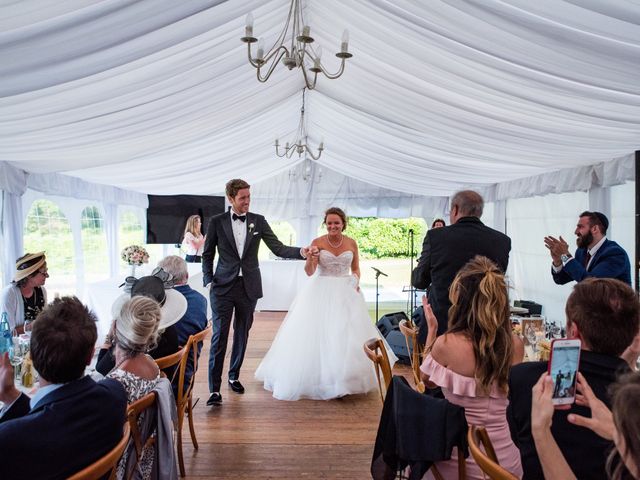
x: 274, y: 63
x: 334, y: 75
x: 310, y: 85
x: 311, y: 153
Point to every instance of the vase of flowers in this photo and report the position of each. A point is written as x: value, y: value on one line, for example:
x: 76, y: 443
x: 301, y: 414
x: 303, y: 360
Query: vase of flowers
x: 134, y: 256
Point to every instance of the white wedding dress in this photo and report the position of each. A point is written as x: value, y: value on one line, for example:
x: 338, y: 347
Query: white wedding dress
x: 318, y: 350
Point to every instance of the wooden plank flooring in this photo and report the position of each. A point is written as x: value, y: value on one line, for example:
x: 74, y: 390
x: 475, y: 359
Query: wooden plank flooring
x: 254, y: 436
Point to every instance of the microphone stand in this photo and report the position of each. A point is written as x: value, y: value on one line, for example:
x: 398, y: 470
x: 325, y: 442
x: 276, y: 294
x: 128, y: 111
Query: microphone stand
x: 411, y: 291
x: 378, y: 273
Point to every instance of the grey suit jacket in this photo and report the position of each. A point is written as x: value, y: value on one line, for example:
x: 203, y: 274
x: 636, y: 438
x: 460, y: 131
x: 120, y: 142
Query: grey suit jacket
x: 220, y: 238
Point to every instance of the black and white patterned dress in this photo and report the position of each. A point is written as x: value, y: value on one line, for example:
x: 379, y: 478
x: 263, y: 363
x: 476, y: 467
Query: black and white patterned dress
x: 136, y: 388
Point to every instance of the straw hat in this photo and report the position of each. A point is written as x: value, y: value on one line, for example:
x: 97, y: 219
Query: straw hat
x: 173, y: 305
x: 30, y: 263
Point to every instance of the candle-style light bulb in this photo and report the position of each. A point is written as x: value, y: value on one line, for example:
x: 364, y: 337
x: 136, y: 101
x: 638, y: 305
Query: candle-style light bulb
x: 316, y: 61
x: 248, y: 29
x: 260, y: 55
x: 306, y: 30
x: 344, y: 47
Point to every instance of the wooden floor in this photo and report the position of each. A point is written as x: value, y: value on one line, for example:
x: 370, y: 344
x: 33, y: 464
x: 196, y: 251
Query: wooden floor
x: 254, y: 436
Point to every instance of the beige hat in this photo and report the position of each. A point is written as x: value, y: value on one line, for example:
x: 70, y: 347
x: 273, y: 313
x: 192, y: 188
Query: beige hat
x: 30, y: 263
x: 173, y: 305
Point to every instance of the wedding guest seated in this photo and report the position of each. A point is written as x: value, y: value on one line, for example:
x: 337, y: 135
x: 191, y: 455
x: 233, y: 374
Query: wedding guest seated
x: 25, y: 297
x: 71, y: 421
x: 135, y: 332
x: 621, y: 425
x: 195, y: 318
x: 159, y: 287
x: 438, y: 223
x: 604, y: 314
x: 471, y: 361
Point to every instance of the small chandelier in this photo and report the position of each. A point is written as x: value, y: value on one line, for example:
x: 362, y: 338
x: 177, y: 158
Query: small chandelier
x: 307, y: 172
x: 298, y: 51
x: 299, y: 144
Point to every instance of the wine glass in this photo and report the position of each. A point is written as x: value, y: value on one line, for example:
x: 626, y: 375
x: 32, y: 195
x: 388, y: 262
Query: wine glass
x: 531, y: 336
x: 16, y: 354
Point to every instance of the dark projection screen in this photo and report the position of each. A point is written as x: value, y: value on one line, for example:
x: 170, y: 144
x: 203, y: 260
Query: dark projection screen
x: 167, y: 215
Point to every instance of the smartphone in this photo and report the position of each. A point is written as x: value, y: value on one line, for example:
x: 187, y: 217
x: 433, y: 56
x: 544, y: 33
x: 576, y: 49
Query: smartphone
x: 563, y: 369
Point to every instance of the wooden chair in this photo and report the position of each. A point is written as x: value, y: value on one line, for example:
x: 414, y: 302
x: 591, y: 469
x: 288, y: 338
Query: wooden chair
x: 374, y: 349
x: 488, y: 462
x: 184, y: 401
x: 171, y: 361
x: 107, y: 464
x: 410, y: 332
x: 140, y: 439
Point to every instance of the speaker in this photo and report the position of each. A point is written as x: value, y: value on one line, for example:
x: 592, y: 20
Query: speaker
x: 390, y: 321
x: 389, y: 327
x: 533, y: 307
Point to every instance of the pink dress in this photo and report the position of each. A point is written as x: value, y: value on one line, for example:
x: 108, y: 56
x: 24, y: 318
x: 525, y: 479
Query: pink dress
x: 487, y: 411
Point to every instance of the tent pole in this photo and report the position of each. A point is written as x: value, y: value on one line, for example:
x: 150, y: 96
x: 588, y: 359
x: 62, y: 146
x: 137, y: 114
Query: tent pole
x: 637, y: 259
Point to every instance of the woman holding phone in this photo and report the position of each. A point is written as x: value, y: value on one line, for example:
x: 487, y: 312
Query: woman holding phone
x: 621, y: 425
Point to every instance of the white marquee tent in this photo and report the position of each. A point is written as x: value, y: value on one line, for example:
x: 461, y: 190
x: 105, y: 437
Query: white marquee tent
x: 114, y: 99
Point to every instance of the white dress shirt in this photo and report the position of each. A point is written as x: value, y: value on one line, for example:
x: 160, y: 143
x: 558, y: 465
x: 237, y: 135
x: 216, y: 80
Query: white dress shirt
x: 239, y: 233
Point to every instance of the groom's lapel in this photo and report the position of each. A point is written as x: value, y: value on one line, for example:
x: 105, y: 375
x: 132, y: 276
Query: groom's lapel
x: 251, y: 220
x: 228, y: 231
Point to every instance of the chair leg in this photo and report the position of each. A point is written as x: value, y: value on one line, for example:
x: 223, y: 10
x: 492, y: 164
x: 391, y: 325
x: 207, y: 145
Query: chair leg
x: 192, y: 430
x: 179, y: 443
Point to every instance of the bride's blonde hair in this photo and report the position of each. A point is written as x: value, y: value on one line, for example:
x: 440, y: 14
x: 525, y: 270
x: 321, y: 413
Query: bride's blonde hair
x: 480, y: 310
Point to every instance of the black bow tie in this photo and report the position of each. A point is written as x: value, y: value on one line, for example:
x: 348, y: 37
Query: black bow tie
x: 242, y: 218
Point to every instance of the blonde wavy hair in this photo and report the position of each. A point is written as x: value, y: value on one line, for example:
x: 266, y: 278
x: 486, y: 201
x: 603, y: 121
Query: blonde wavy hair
x: 191, y: 226
x: 136, y: 328
x: 480, y: 310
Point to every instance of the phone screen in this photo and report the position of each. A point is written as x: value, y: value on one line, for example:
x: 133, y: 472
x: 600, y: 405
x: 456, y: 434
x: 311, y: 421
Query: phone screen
x: 563, y: 371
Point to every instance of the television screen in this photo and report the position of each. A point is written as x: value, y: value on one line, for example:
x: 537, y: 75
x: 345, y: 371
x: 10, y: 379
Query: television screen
x: 167, y: 215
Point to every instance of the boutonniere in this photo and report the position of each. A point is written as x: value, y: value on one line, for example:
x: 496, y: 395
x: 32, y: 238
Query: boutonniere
x: 251, y: 225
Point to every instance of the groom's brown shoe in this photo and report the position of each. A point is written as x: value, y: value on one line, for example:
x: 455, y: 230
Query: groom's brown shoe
x: 236, y: 386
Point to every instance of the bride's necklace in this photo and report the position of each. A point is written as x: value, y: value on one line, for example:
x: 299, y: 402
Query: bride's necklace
x: 339, y: 243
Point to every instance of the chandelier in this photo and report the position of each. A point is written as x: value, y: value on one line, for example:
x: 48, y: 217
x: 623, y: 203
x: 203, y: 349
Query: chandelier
x: 299, y: 144
x: 298, y: 51
x: 307, y: 172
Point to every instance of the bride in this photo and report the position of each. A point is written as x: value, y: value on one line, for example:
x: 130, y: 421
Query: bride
x: 317, y: 352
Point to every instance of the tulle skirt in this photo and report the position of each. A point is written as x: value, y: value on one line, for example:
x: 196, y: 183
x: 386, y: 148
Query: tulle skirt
x: 318, y: 350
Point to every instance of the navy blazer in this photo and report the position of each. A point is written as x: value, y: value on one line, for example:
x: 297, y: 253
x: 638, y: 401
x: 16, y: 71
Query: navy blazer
x: 220, y: 237
x: 446, y: 250
x: 610, y: 261
x: 67, y: 430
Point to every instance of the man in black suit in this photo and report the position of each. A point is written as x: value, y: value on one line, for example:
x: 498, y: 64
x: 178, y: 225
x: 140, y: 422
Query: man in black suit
x: 604, y: 314
x: 71, y: 421
x: 445, y: 250
x: 236, y: 283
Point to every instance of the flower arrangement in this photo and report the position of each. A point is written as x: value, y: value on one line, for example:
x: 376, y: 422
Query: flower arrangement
x: 134, y: 255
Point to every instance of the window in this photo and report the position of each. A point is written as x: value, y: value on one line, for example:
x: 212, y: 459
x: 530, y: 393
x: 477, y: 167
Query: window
x: 94, y: 245
x: 285, y: 233
x: 47, y: 229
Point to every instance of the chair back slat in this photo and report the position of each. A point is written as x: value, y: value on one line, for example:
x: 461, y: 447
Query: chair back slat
x: 410, y: 332
x: 377, y: 353
x: 141, y: 439
x: 488, y: 462
x: 106, y: 464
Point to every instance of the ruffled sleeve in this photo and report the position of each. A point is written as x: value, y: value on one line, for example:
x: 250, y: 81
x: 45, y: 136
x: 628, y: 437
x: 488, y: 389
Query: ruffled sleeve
x: 452, y: 381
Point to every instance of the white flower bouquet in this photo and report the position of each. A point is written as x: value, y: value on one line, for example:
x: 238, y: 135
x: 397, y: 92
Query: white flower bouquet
x: 134, y: 255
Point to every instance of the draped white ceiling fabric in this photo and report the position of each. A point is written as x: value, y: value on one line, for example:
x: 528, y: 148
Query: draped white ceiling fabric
x: 157, y: 96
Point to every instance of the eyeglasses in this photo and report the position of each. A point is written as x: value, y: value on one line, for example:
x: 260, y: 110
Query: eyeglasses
x: 45, y: 272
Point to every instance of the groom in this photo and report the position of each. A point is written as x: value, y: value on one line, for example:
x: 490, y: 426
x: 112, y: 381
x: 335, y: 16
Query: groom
x: 236, y: 283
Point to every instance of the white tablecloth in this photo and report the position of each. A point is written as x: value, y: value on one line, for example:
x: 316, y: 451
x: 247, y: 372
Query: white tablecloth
x: 281, y: 280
